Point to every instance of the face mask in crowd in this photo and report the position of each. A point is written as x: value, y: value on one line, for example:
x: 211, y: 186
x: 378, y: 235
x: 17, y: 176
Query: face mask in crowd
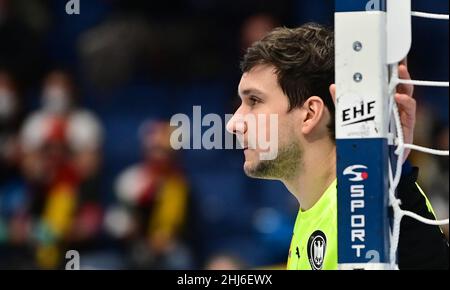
x: 56, y: 99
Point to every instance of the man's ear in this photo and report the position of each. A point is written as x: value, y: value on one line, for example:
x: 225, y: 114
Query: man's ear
x: 314, y: 109
x: 333, y: 93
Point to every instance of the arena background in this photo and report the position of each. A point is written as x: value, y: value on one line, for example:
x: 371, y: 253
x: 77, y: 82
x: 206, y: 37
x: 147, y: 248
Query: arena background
x: 133, y: 65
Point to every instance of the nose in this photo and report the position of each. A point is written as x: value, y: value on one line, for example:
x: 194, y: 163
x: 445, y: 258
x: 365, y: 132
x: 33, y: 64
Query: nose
x: 236, y: 125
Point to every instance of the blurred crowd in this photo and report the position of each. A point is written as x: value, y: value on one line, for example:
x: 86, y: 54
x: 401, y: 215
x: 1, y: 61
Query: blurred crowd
x: 49, y: 172
x: 50, y: 193
x: 85, y: 158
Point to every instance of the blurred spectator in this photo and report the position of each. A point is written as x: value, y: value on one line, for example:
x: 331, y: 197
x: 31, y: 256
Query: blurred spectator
x: 255, y: 28
x: 13, y: 201
x: 10, y: 121
x: 61, y: 158
x: 152, y: 205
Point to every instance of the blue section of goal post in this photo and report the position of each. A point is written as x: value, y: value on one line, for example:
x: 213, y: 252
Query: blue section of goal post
x: 360, y: 5
x: 372, y: 153
x: 372, y: 180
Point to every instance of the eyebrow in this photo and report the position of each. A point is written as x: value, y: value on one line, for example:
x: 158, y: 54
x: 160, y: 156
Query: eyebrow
x: 247, y: 92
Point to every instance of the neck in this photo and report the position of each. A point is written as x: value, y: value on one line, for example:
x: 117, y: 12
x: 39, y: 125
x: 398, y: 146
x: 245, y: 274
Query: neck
x: 317, y: 172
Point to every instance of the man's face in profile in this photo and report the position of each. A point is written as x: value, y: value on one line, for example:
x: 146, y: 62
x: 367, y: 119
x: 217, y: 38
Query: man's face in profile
x: 262, y: 97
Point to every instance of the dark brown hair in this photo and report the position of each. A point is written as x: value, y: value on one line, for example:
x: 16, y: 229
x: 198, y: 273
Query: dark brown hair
x: 303, y: 58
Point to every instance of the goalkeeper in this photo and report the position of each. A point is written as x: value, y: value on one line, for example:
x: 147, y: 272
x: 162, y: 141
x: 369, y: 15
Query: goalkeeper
x: 290, y: 73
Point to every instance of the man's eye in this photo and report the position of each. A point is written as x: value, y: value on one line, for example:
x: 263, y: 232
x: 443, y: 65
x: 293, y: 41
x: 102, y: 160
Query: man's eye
x: 253, y: 101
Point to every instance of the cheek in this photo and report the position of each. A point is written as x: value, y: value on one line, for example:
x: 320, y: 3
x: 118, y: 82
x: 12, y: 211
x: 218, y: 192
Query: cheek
x: 271, y: 120
x: 273, y: 132
x: 265, y: 129
x: 277, y: 120
x: 288, y: 130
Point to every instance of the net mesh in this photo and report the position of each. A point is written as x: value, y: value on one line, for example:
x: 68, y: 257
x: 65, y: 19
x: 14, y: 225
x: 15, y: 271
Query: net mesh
x: 395, y: 130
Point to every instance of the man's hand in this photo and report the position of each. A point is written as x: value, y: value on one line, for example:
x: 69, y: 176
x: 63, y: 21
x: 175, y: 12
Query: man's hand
x: 406, y: 105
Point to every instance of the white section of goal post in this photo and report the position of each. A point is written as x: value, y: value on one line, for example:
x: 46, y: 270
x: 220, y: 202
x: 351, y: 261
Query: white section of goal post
x: 361, y: 75
x: 399, y: 35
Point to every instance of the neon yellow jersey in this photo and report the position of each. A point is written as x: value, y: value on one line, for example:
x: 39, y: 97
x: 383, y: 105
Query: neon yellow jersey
x: 314, y: 241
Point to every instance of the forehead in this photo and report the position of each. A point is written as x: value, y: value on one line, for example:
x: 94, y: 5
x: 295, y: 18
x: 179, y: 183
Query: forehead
x: 59, y: 79
x: 260, y: 78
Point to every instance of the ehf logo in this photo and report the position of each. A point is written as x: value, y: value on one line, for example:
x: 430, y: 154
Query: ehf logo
x: 358, y: 175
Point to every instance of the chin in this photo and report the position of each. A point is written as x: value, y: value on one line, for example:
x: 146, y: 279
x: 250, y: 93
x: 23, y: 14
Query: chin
x: 251, y: 169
